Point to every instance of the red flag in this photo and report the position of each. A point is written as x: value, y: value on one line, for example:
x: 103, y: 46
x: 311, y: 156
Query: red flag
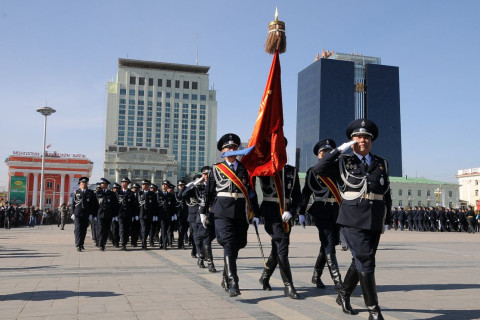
x: 49, y: 145
x: 270, y: 153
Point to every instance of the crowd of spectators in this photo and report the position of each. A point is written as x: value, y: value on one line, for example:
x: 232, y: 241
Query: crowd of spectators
x: 13, y: 216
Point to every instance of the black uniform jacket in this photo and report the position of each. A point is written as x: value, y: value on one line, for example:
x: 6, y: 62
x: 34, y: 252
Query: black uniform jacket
x: 228, y: 207
x: 166, y: 205
x: 84, y: 204
x: 360, y: 212
x: 127, y: 204
x: 147, y: 201
x: 291, y: 187
x: 319, y: 209
x: 107, y: 204
x: 193, y: 196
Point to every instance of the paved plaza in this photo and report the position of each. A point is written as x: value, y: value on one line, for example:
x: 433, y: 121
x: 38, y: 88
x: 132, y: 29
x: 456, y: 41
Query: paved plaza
x: 419, y: 276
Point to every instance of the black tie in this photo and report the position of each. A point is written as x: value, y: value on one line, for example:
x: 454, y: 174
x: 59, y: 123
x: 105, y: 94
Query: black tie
x: 232, y: 166
x: 364, y: 160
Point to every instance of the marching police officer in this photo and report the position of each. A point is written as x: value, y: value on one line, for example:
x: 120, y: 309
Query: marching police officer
x: 147, y: 201
x: 364, y: 210
x: 135, y: 226
x: 325, y: 212
x: 166, y: 209
x: 84, y: 205
x: 276, y: 210
x: 182, y: 215
x: 126, y: 211
x: 206, y: 234
x: 93, y: 222
x: 114, y: 229
x: 228, y: 195
x: 107, y: 209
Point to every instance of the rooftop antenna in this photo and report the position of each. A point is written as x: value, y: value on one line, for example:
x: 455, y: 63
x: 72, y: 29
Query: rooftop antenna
x: 196, y: 41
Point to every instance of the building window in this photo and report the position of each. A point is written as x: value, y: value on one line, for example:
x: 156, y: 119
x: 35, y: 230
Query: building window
x: 476, y: 193
x: 150, y: 94
x: 185, y: 96
x: 150, y: 82
x: 400, y: 203
x: 186, y: 85
x: 203, y: 97
x: 159, y: 94
x: 419, y: 192
x: 169, y: 83
x: 49, y: 185
x: 409, y: 192
x: 450, y: 193
x: 476, y: 182
x: 177, y: 84
x: 167, y: 95
x: 141, y: 92
x: 131, y: 92
x: 428, y: 193
x: 48, y: 201
x: 177, y: 95
x: 159, y: 82
x: 141, y: 81
x: 194, y: 85
x: 123, y: 91
x: 132, y: 80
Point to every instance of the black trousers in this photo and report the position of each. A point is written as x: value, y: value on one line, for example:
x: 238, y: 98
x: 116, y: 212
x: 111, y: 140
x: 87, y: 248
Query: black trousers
x: 231, y: 234
x: 80, y: 230
x: 164, y: 223
x: 182, y: 231
x: 103, y: 229
x: 115, y: 232
x: 124, y: 224
x: 145, y: 225
x: 363, y: 244
x: 135, y: 231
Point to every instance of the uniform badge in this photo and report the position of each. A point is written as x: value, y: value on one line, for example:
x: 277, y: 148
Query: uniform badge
x: 150, y: 201
x: 88, y: 199
x: 289, y: 186
x: 382, y: 181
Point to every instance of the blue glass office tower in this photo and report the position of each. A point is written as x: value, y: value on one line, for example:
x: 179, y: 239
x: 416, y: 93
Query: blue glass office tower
x: 335, y: 90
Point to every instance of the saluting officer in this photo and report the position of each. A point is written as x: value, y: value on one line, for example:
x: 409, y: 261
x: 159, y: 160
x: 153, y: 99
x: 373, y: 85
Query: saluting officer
x: 194, y: 194
x: 84, y: 205
x: 228, y: 195
x: 135, y: 226
x: 325, y: 212
x: 126, y: 211
x: 147, y: 201
x: 107, y: 209
x: 278, y: 223
x: 365, y: 209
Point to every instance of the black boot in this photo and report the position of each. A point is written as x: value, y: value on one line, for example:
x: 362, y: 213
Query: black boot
x: 207, y: 249
x: 318, y: 270
x: 334, y: 272
x: 200, y: 263
x: 232, y: 277
x: 268, y: 271
x: 349, y: 283
x: 224, y: 283
x: 286, y: 274
x: 369, y: 289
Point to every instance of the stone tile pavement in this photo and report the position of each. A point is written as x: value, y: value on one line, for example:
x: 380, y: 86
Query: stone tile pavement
x: 42, y: 276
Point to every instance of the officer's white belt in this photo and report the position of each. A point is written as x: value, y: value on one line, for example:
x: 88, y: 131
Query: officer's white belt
x: 235, y: 195
x: 367, y: 196
x: 327, y: 200
x: 274, y: 199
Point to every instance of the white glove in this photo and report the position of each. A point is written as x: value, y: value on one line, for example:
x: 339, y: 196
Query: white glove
x: 113, y: 219
x: 286, y: 216
x: 90, y: 217
x: 256, y: 221
x: 95, y: 219
x: 346, y: 145
x: 72, y: 216
x: 385, y: 227
x: 174, y: 217
x: 301, y: 219
x: 136, y: 218
x: 203, y: 219
x: 133, y: 219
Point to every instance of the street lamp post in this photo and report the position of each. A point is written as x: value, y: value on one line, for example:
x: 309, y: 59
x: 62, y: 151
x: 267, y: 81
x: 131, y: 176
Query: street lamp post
x: 45, y: 111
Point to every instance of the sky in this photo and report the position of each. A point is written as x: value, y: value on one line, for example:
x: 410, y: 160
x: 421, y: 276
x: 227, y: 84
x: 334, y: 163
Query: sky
x: 62, y: 53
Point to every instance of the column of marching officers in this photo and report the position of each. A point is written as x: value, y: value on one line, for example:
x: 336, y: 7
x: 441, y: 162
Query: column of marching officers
x: 351, y: 197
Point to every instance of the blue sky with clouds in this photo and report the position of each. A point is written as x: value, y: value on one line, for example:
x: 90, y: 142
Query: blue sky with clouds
x: 66, y: 51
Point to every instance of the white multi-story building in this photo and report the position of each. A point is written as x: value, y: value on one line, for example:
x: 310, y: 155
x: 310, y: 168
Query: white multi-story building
x: 469, y: 180
x: 412, y: 192
x: 161, y: 121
